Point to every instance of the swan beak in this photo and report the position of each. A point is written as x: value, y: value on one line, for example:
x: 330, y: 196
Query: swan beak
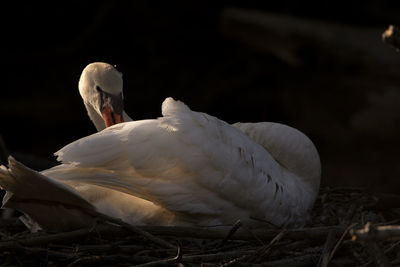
x: 110, y: 117
x: 112, y: 107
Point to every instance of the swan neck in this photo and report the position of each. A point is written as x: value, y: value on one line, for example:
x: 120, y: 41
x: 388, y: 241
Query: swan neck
x: 126, y: 117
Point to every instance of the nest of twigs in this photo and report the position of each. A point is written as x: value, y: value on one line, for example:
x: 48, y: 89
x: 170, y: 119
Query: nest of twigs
x: 335, y: 237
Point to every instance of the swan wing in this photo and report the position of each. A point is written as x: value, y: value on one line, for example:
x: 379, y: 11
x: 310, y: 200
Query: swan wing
x: 290, y: 147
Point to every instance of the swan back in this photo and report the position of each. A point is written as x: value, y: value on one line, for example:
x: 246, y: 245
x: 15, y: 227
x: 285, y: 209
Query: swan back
x: 192, y: 164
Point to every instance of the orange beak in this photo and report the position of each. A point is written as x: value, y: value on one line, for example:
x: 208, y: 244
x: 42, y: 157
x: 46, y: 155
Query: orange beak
x: 110, y: 117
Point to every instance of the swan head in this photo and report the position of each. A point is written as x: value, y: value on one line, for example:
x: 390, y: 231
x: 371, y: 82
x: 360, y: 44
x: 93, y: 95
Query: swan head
x: 100, y: 86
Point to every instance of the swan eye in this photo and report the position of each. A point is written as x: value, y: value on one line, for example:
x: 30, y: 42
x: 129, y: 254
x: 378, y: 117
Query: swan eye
x: 98, y: 88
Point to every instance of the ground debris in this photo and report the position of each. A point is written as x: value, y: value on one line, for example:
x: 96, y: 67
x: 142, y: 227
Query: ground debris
x: 338, y: 214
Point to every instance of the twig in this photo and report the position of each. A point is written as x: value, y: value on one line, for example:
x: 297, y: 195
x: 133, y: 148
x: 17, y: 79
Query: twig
x: 395, y: 221
x: 258, y: 254
x: 340, y: 241
x: 392, y: 247
x: 380, y: 258
x: 233, y: 230
x: 108, y: 247
x: 372, y: 233
x: 317, y: 233
x: 200, y: 258
x: 388, y: 250
x: 176, y: 259
x: 216, y: 256
x: 350, y: 213
x: 150, y: 231
x: 265, y: 250
x: 235, y: 261
x: 392, y: 36
x: 111, y: 259
x: 48, y: 253
x: 11, y: 223
x: 43, y: 238
x: 40, y: 239
x: 325, y: 257
x: 300, y: 261
x: 139, y: 231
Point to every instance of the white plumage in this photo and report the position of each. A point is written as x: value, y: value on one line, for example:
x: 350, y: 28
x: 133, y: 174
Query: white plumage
x: 186, y: 167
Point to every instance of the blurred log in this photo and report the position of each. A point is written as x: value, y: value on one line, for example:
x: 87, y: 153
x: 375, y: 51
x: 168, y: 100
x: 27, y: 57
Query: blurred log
x: 3, y: 152
x: 392, y: 36
x: 286, y: 36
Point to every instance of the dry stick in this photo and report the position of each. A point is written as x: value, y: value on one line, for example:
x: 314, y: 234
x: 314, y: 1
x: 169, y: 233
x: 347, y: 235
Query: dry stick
x: 216, y: 256
x: 264, y: 250
x: 47, y: 252
x: 388, y: 250
x: 314, y: 233
x: 108, y: 247
x: 392, y: 247
x: 199, y: 258
x: 176, y: 259
x: 41, y: 238
x: 380, y: 258
x: 330, y: 242
x: 295, y: 244
x: 350, y: 213
x: 12, y: 222
x: 300, y: 261
x: 139, y: 231
x: 236, y: 261
x: 233, y: 230
x: 372, y: 233
x: 392, y: 36
x: 395, y: 221
x: 340, y: 241
x: 110, y: 259
x: 150, y: 231
x: 259, y: 253
x: 250, y: 232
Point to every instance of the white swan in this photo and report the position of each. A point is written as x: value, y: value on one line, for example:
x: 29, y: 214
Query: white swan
x: 185, y: 167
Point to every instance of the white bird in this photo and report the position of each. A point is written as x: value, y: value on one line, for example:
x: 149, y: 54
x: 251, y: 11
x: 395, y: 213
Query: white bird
x: 185, y: 167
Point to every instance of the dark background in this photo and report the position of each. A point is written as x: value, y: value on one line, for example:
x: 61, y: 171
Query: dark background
x: 318, y: 66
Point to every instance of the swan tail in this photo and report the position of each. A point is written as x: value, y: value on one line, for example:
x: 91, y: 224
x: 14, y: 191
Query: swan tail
x: 52, y: 205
